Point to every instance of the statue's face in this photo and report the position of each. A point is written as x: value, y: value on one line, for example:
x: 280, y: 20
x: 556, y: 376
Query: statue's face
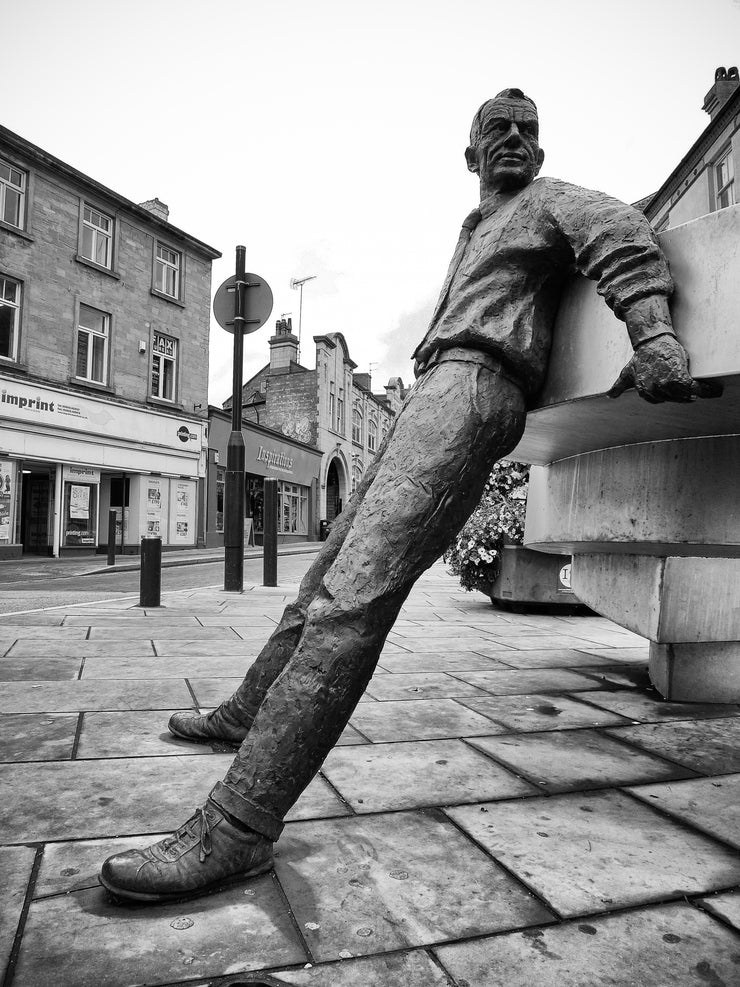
x: 507, y: 155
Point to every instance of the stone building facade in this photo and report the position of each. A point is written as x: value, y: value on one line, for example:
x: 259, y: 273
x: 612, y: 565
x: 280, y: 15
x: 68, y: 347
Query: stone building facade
x: 104, y: 322
x: 331, y: 408
x: 704, y: 180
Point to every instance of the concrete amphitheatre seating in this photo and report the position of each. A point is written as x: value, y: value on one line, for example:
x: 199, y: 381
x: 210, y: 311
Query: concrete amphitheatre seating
x: 647, y: 497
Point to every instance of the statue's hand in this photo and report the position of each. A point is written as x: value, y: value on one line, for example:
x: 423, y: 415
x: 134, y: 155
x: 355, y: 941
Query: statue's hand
x: 659, y: 371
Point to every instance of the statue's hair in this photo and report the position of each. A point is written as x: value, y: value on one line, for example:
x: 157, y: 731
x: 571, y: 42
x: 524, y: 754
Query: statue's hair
x: 504, y: 94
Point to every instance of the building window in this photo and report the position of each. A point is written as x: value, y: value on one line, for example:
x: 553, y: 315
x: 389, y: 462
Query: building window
x: 164, y: 367
x: 293, y: 509
x: 340, y: 412
x: 167, y: 271
x: 12, y: 195
x: 357, y: 425
x: 92, y: 345
x: 97, y: 237
x: 356, y: 476
x: 332, y: 406
x: 372, y: 436
x: 10, y: 306
x: 724, y: 180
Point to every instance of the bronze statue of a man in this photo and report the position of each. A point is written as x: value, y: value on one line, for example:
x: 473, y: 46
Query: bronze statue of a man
x: 483, y: 358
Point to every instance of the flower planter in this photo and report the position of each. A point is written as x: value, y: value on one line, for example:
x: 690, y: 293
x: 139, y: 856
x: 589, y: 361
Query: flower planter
x: 533, y: 577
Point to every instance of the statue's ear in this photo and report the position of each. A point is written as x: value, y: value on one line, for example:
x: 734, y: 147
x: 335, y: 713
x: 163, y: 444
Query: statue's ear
x: 540, y: 160
x: 471, y: 157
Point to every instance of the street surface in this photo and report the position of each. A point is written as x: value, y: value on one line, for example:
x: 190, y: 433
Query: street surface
x: 30, y: 586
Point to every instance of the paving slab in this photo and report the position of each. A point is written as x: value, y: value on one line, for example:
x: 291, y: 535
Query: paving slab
x: 667, y: 946
x: 726, y: 906
x: 74, y: 865
x: 615, y: 678
x: 595, y: 851
x: 185, y: 629
x: 94, y: 694
x: 179, y: 668
x: 37, y: 736
x: 379, y: 883
x: 119, y: 946
x: 710, y: 804
x: 38, y: 647
x: 438, y: 662
x: 411, y: 969
x: 428, y: 643
x: 512, y: 682
x: 651, y: 707
x: 572, y: 760
x: 39, y: 632
x: 536, y: 642
x: 420, y: 685
x: 16, y: 864
x: 139, y: 733
x: 175, y: 648
x: 550, y: 658
x: 385, y: 777
x: 39, y: 669
x: 707, y: 746
x: 430, y: 719
x: 538, y: 712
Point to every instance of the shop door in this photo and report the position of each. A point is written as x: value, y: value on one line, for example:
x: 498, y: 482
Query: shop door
x: 35, y: 502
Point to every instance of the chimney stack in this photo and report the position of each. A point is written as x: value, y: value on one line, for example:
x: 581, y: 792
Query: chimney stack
x: 726, y: 82
x: 283, y: 347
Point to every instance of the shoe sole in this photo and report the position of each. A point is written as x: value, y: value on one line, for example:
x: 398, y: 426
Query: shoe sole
x: 124, y: 895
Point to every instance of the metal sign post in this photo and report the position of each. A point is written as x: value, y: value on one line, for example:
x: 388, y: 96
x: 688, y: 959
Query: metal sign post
x: 240, y: 312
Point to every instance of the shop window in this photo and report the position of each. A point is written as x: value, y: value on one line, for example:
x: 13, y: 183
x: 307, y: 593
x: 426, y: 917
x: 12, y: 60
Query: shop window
x: 80, y: 514
x: 96, y: 240
x: 220, y: 492
x: 12, y: 195
x: 256, y: 502
x: 10, y: 306
x: 724, y: 180
x: 167, y: 271
x: 164, y: 367
x: 93, y: 330
x: 372, y: 435
x: 7, y: 501
x: 357, y: 425
x: 293, y: 509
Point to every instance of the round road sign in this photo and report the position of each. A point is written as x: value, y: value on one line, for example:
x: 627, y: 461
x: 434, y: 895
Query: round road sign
x: 258, y: 303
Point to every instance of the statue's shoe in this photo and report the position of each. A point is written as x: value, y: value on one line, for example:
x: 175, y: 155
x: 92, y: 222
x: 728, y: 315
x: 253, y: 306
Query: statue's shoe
x: 204, y: 855
x: 208, y: 726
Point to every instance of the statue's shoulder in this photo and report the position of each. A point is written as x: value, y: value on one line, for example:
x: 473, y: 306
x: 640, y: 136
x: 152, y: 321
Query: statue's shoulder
x: 555, y: 187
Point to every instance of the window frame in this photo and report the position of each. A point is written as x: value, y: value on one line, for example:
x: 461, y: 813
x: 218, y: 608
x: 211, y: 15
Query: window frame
x: 372, y: 435
x: 23, y: 195
x: 15, y: 307
x: 173, y: 359
x: 110, y: 237
x: 158, y: 262
x: 728, y: 186
x: 357, y: 425
x: 92, y: 333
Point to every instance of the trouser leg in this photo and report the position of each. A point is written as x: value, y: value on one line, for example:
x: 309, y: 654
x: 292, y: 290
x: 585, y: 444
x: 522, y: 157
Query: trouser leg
x: 241, y: 708
x: 460, y: 419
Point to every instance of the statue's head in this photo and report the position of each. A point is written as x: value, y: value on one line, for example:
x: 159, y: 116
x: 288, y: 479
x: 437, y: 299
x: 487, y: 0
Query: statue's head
x: 504, y: 146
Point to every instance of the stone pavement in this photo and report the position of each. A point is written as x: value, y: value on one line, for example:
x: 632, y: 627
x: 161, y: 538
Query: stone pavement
x: 510, y: 805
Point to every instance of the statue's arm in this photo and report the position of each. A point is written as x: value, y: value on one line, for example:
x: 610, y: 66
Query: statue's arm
x: 614, y: 245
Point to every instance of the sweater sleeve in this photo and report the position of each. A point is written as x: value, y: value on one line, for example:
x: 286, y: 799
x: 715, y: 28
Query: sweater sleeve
x: 613, y: 245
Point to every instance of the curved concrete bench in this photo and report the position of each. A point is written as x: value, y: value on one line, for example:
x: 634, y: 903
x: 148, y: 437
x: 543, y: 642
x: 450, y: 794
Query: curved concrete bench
x: 647, y: 497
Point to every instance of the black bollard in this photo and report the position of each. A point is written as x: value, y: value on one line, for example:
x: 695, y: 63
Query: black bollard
x: 269, y: 529
x: 150, y: 582
x: 111, y: 537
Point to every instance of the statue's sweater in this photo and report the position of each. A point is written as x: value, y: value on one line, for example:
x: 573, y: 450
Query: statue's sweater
x: 516, y: 253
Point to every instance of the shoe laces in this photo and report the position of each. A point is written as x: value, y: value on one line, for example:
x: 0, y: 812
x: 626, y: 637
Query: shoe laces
x: 182, y: 838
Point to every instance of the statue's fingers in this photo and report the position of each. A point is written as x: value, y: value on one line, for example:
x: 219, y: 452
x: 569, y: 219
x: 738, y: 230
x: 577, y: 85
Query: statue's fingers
x: 707, y: 388
x: 625, y: 380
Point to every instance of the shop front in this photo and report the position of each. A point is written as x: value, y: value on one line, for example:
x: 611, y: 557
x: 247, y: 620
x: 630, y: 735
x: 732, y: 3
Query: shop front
x: 67, y: 460
x: 294, y: 464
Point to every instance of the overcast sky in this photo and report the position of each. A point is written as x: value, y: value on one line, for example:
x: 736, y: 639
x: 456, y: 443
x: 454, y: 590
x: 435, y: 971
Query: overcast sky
x: 328, y: 135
